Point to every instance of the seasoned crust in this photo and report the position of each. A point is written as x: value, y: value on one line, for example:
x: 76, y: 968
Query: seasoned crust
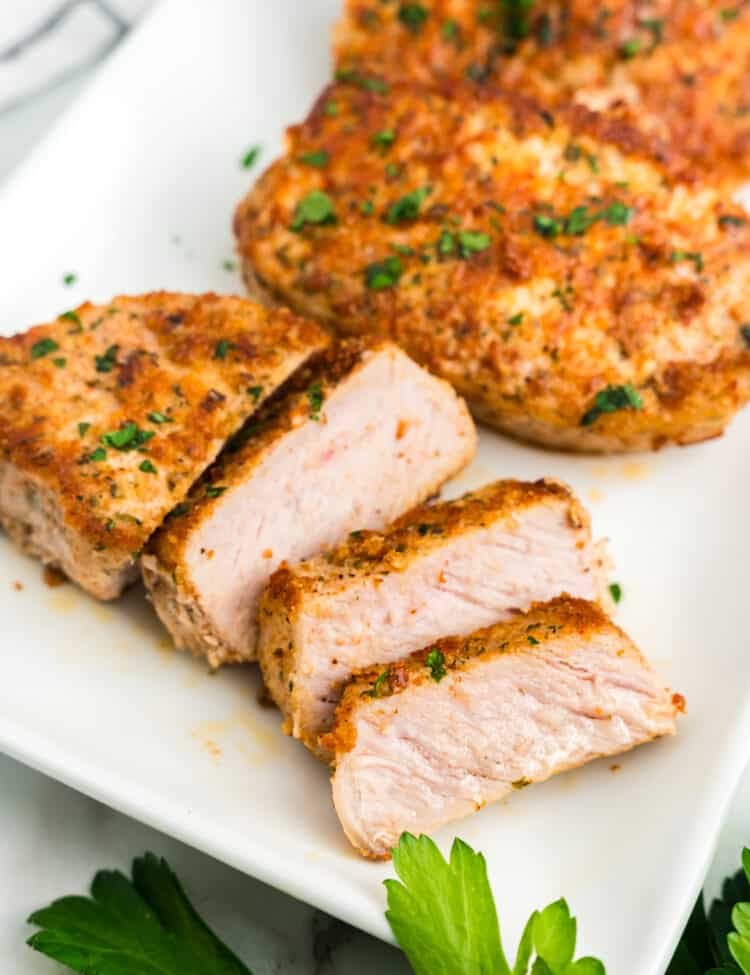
x: 531, y: 325
x: 560, y: 618
x: 164, y: 379
x: 677, y: 71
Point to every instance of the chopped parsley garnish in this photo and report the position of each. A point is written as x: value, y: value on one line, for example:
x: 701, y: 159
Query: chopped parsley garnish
x: 465, y: 243
x: 43, y: 347
x: 99, y: 453
x: 413, y: 16
x: 615, y: 590
x: 60, y: 362
x: 546, y: 226
x: 427, y: 529
x: 730, y: 13
x: 367, y: 207
x: 563, y: 296
x: 318, y: 158
x: 446, y: 244
x: 695, y: 256
x: 331, y: 109
x: 315, y: 208
x: 69, y: 279
x: 611, y: 400
x: 392, y: 170
x: 316, y: 398
x: 108, y: 361
x: 532, y: 640
x: 384, y: 139
x: 71, y: 316
x: 222, y: 347
x: 516, y: 319
x: 517, y: 25
x: 229, y: 265
x: 435, y: 661
x: 129, y: 437
x: 156, y: 417
x: 449, y: 30
x: 250, y: 157
x: 383, y: 274
x: 407, y: 208
x: 655, y: 26
x: 729, y: 220
x: 147, y: 467
x: 379, y: 688
x: 630, y: 48
x: 617, y: 214
x: 255, y: 392
x: 366, y: 82
x: 214, y: 490
x: 83, y: 429
x: 573, y: 152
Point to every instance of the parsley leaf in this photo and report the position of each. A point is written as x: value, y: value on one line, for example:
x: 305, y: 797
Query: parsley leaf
x: 108, y: 361
x: 69, y: 279
x: 43, y: 347
x: 612, y: 399
x: 128, y: 437
x: 157, y: 417
x: 383, y: 139
x: 250, y: 157
x: 443, y: 916
x: 615, y: 591
x: 316, y: 207
x: 147, y: 467
x: 383, y: 274
x: 319, y: 158
x: 316, y: 398
x: 695, y: 256
x: 143, y: 926
x: 407, y: 208
x: 435, y: 661
x: 413, y: 16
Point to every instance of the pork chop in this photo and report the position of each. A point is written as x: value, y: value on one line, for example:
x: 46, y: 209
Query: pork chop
x: 443, y: 569
x: 466, y: 721
x: 678, y: 69
x: 110, y: 413
x: 357, y: 440
x: 572, y: 284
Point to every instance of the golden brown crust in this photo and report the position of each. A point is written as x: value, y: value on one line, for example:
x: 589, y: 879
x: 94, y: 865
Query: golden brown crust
x: 559, y: 618
x: 177, y: 367
x: 643, y: 280
x: 676, y: 68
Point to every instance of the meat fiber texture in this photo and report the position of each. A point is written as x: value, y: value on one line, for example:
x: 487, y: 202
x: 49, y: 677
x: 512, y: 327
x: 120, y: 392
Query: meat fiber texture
x: 466, y: 721
x: 357, y: 439
x: 443, y: 569
x: 110, y: 413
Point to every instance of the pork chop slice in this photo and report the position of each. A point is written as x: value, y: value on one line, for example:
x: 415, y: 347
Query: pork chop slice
x: 466, y: 721
x: 443, y: 569
x: 110, y: 413
x: 358, y: 439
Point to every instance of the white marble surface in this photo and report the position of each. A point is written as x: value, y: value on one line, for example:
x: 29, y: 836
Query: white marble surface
x: 54, y: 839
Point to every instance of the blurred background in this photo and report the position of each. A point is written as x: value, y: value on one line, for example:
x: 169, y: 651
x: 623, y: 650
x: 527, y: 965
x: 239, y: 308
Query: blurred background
x: 54, y: 839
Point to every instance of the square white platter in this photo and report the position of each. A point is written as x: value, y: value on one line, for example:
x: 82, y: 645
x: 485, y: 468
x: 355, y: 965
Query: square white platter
x: 134, y: 191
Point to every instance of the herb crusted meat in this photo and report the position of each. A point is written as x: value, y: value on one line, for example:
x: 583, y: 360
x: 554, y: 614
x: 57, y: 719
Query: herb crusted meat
x: 109, y: 414
x: 442, y: 569
x: 569, y: 280
x: 677, y: 69
x: 360, y: 435
x: 465, y: 721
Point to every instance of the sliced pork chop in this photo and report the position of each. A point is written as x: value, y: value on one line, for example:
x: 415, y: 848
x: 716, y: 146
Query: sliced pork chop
x: 465, y: 721
x: 359, y: 438
x: 576, y: 285
x: 109, y: 414
x: 443, y: 569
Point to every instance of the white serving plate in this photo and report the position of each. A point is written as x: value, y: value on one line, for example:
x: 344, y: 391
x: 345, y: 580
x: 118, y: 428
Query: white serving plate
x: 134, y: 191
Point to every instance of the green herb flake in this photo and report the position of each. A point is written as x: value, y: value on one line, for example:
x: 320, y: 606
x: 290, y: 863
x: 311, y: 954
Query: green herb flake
x: 380, y: 688
x: 472, y: 242
x: 407, y: 208
x: 532, y: 640
x: 229, y: 265
x: 69, y: 279
x: 331, y: 109
x: 695, y: 256
x: 383, y: 274
x: 366, y: 82
x: 83, y: 429
x: 615, y: 590
x: 222, y: 347
x: 315, y: 208
x: 630, y: 48
x: 435, y: 662
x: 99, y: 453
x: 214, y: 490
x: 611, y: 400
x: 449, y: 30
x: 547, y: 226
x: 250, y: 157
x: 71, y: 316
x: 147, y: 467
x: 107, y: 362
x: 129, y: 437
x: 384, y: 139
x: 413, y: 16
x: 655, y: 26
x: 255, y: 392
x: 43, y: 347
x: 319, y: 158
x: 730, y: 220
x: 316, y: 398
x: 157, y: 417
x: 60, y: 362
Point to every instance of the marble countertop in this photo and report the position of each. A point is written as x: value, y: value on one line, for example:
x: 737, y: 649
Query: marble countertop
x: 54, y: 839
